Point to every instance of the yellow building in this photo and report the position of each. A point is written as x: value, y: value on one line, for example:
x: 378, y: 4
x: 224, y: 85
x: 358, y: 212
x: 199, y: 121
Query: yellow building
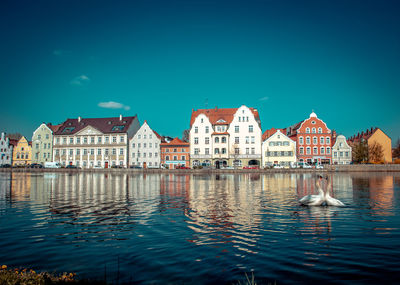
x: 376, y: 136
x: 22, y: 152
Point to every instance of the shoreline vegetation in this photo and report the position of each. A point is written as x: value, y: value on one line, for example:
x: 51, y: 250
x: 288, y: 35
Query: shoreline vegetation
x: 327, y: 168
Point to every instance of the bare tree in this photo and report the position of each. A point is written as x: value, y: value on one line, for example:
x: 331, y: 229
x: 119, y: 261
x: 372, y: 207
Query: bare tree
x: 396, y: 150
x: 360, y: 152
x: 375, y: 152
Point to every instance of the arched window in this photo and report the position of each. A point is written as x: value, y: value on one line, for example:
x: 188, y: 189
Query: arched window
x: 320, y: 130
x: 322, y: 150
x: 314, y: 130
x: 308, y: 150
x: 322, y: 140
x: 223, y: 140
x: 167, y: 157
x: 328, y: 140
x: 315, y: 140
x: 216, y: 140
x: 308, y: 140
x: 307, y: 130
x: 301, y: 150
x: 315, y: 150
x: 301, y: 140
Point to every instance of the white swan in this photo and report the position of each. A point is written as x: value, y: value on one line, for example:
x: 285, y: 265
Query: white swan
x: 314, y: 200
x: 330, y: 201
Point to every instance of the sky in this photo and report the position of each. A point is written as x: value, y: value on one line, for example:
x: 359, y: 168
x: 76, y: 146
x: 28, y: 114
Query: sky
x: 161, y: 59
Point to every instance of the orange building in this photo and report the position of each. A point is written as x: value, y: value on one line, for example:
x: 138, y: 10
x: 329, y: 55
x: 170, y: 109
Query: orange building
x: 175, y: 153
x: 372, y: 136
x: 22, y: 153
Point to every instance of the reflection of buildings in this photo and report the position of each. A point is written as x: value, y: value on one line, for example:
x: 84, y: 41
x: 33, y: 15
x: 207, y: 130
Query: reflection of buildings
x: 375, y: 188
x: 20, y: 186
x: 5, y: 190
x: 224, y: 208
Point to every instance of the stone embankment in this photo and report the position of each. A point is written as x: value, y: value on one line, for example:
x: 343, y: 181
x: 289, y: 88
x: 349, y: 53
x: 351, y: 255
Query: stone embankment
x: 329, y: 168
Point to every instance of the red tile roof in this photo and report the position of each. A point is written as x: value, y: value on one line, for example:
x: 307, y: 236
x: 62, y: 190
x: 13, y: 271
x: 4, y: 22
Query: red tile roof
x: 216, y: 114
x: 270, y: 132
x: 364, y: 135
x: 54, y: 128
x: 104, y: 125
x: 175, y: 141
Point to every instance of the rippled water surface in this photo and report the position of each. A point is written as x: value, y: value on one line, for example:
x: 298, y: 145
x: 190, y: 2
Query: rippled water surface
x: 197, y: 229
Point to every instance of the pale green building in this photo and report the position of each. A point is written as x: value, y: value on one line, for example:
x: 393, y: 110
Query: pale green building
x: 42, y: 143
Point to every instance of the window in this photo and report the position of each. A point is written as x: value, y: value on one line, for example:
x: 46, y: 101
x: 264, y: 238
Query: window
x: 328, y: 140
x: 92, y: 151
x: 223, y: 150
x: 196, y: 140
x: 207, y: 129
x: 139, y: 137
x: 286, y: 143
x: 236, y: 139
x: 133, y: 145
x: 183, y: 157
x: 216, y: 151
x: 167, y: 157
x: 144, y: 155
x: 91, y: 139
x: 301, y: 140
x: 308, y: 150
x: 57, y: 152
x: 207, y: 141
x: 253, y: 150
x: 106, y: 151
x: 307, y: 130
x: 175, y: 157
x: 114, y: 151
x: 144, y: 136
x: 346, y: 154
x: 121, y: 139
x: 301, y: 150
x: 139, y: 145
x: 322, y: 150
x: 321, y: 140
x: 175, y: 150
x: 314, y: 130
x: 328, y: 150
x: 247, y: 140
x: 156, y: 154
x: 84, y: 151
x: 320, y: 130
x: 236, y: 129
x: 335, y: 154
x: 78, y: 140
x: 315, y: 140
x: 85, y: 140
x: 114, y: 139
x: 250, y: 128
x: 133, y: 154
x: 144, y: 145
x: 237, y: 151
x: 150, y: 145
x: 216, y: 139
x: 99, y: 140
x: 253, y: 139
x: 99, y: 151
x: 223, y: 139
x: 196, y: 151
x: 315, y: 150
x: 150, y: 154
x: 247, y: 150
x: 78, y: 152
x: 64, y: 140
x: 308, y: 140
x: 58, y: 140
x: 47, y: 136
x: 71, y: 140
x: 207, y: 151
x: 107, y: 139
x: 39, y: 137
x: 150, y: 136
x: 121, y: 151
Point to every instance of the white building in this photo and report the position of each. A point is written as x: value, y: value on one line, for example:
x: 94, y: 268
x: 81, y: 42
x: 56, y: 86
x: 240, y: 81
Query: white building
x: 101, y: 142
x: 341, y: 151
x: 144, y: 148
x: 225, y: 137
x: 6, y: 150
x: 42, y: 143
x: 277, y: 148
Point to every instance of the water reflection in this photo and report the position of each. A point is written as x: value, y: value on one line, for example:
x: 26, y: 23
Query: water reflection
x: 224, y: 222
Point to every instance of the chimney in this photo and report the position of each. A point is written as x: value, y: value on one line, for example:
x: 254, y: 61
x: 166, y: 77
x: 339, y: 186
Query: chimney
x: 79, y: 119
x: 120, y: 117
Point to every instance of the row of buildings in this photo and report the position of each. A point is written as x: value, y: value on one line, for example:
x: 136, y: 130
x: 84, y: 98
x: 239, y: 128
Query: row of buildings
x: 218, y: 137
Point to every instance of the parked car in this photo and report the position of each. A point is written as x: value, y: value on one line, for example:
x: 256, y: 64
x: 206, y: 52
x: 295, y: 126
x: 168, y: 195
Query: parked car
x: 277, y: 166
x: 117, y: 166
x: 227, y: 167
x: 52, y: 165
x: 319, y: 166
x: 182, y: 167
x: 36, y: 165
x: 97, y: 167
x: 5, y: 166
x: 71, y: 166
x: 135, y: 167
x: 304, y: 165
x: 251, y: 167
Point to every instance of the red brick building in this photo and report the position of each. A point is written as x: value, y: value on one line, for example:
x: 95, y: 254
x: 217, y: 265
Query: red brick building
x: 314, y: 140
x: 175, y: 153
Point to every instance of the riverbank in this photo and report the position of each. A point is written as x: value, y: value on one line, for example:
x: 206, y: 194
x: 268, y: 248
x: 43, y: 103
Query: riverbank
x: 328, y: 168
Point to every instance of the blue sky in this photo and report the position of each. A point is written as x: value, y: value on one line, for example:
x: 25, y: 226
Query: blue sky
x: 160, y: 59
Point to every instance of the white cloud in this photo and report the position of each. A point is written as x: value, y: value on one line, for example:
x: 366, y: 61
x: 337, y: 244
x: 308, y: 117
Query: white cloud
x: 80, y: 80
x: 113, y: 105
x: 264, y: 98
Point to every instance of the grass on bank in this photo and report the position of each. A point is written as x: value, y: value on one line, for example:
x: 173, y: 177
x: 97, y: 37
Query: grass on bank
x: 30, y: 277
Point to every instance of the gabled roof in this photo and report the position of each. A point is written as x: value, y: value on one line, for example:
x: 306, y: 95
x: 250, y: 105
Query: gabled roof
x: 104, y: 125
x: 271, y: 132
x: 216, y: 116
x: 54, y: 128
x: 364, y: 135
x: 175, y: 141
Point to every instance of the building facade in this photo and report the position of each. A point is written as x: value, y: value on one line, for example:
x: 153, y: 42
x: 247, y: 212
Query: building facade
x: 22, y: 153
x: 313, y: 140
x: 94, y: 142
x: 6, y: 150
x: 375, y: 136
x: 341, y: 151
x: 225, y: 137
x: 278, y: 149
x: 175, y: 153
x: 144, y: 148
x: 42, y: 143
